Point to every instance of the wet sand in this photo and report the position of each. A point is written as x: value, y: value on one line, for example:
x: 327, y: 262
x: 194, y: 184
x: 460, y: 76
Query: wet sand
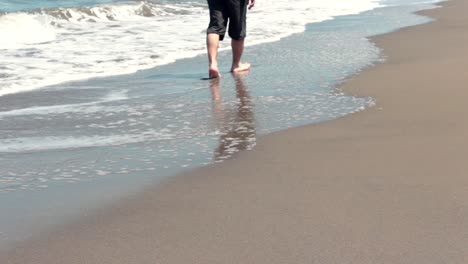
x: 388, y: 185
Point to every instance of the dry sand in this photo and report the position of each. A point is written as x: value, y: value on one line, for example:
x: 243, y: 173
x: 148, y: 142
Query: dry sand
x: 388, y: 185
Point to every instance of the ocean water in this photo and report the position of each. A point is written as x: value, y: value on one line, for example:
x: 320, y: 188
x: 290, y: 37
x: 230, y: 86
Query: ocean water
x: 51, y: 44
x: 71, y: 141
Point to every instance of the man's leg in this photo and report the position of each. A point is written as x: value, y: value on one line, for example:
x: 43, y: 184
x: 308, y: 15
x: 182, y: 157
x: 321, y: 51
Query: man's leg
x: 215, y: 33
x: 237, y: 31
x: 212, y: 43
x: 237, y: 50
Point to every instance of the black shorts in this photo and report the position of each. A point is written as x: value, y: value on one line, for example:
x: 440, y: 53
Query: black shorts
x: 222, y: 11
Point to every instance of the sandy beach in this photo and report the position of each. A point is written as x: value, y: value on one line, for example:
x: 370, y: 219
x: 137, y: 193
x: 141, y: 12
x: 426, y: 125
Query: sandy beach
x: 387, y: 185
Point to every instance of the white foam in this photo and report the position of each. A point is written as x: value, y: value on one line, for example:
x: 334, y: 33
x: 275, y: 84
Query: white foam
x: 83, y: 108
x: 20, y: 30
x: 32, y: 144
x: 55, y: 46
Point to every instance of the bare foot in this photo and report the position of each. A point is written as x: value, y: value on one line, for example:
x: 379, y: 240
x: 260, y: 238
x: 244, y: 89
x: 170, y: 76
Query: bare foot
x: 214, y: 72
x: 241, y: 67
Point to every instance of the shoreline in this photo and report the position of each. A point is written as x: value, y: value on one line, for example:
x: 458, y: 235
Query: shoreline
x: 384, y: 185
x: 24, y: 222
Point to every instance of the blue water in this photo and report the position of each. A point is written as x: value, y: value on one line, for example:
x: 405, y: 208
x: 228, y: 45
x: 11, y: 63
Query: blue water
x: 28, y: 5
x: 23, y: 5
x: 67, y: 146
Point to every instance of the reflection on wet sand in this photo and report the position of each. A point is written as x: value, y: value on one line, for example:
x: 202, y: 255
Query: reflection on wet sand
x: 236, y: 123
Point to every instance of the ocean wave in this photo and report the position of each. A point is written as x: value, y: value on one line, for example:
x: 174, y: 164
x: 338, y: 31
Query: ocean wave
x: 51, y: 46
x: 42, y: 25
x: 94, y: 14
x: 118, y: 12
x: 33, y: 144
x: 84, y: 108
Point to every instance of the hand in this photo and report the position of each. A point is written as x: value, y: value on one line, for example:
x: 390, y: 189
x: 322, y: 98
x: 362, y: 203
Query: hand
x: 252, y: 4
